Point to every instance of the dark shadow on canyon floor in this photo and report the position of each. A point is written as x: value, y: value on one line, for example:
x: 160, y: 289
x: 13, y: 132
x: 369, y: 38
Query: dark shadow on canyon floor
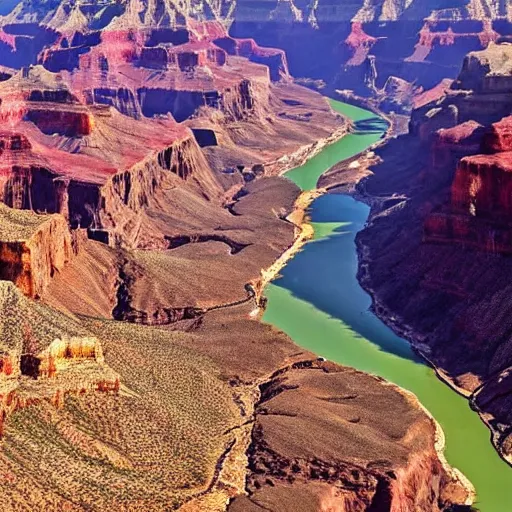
x: 371, y: 125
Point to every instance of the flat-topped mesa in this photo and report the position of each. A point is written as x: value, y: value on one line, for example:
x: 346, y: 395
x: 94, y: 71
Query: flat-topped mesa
x: 273, y: 58
x: 488, y: 71
x: 443, y: 32
x: 195, y: 54
x: 32, y: 248
x: 482, y: 187
x: 34, y: 95
x: 193, y: 71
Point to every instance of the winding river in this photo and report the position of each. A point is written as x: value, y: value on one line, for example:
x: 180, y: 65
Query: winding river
x: 319, y: 303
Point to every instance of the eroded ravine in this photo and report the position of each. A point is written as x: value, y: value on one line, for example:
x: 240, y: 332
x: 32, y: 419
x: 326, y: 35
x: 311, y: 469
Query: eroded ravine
x: 319, y: 303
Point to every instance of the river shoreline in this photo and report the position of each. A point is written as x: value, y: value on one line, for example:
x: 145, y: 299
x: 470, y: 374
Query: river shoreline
x: 399, y: 327
x: 365, y: 160
x: 300, y: 156
x: 304, y: 233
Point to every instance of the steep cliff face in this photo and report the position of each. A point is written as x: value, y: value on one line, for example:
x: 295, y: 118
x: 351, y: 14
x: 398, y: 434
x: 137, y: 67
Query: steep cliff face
x: 449, y: 145
x: 437, y: 255
x: 499, y: 138
x: 481, y: 93
x: 32, y: 248
x: 457, y: 127
x: 478, y: 212
x: 361, y: 44
x: 128, y: 195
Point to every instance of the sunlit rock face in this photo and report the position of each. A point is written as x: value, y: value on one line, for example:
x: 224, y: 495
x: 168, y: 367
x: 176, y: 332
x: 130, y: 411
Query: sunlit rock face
x: 119, y: 105
x: 32, y: 248
x: 129, y: 72
x: 470, y: 142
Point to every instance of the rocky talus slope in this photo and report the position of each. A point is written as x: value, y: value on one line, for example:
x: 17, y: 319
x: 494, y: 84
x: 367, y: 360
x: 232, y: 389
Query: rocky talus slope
x: 436, y: 254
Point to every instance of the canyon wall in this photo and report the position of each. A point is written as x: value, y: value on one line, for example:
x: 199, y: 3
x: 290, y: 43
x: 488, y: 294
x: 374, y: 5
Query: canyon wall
x: 478, y: 213
x: 32, y: 248
x: 61, y: 115
x: 438, y: 265
x: 361, y: 46
x: 357, y: 45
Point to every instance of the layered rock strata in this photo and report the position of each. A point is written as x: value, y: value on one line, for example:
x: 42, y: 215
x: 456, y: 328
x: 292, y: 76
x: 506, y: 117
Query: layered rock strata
x: 33, y: 248
x: 435, y: 254
x: 362, y: 46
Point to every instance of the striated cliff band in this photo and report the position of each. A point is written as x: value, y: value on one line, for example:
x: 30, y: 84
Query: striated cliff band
x: 385, y: 50
x: 435, y: 254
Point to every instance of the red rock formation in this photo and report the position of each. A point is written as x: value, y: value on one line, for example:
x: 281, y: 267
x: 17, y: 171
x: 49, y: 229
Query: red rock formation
x: 59, y: 154
x: 480, y: 209
x: 273, y: 58
x: 192, y: 60
x: 32, y: 249
x: 38, y: 343
x: 431, y: 95
x: 483, y: 186
x: 449, y: 145
x: 71, y: 124
x: 499, y: 137
x: 127, y: 194
x: 482, y: 93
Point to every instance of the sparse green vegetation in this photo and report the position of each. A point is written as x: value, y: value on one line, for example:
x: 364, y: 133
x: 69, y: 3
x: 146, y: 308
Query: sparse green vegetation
x: 154, y: 444
x: 17, y: 225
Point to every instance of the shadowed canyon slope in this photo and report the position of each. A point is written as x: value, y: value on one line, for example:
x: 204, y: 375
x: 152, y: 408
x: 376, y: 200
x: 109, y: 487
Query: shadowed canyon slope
x: 386, y: 50
x: 435, y: 255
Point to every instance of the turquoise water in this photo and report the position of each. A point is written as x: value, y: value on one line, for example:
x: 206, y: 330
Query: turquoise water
x: 318, y: 302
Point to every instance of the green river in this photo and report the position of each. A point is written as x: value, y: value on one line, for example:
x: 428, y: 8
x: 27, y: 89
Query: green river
x: 318, y: 302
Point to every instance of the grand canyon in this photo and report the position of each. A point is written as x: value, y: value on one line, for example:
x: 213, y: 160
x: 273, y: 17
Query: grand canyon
x: 254, y: 255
